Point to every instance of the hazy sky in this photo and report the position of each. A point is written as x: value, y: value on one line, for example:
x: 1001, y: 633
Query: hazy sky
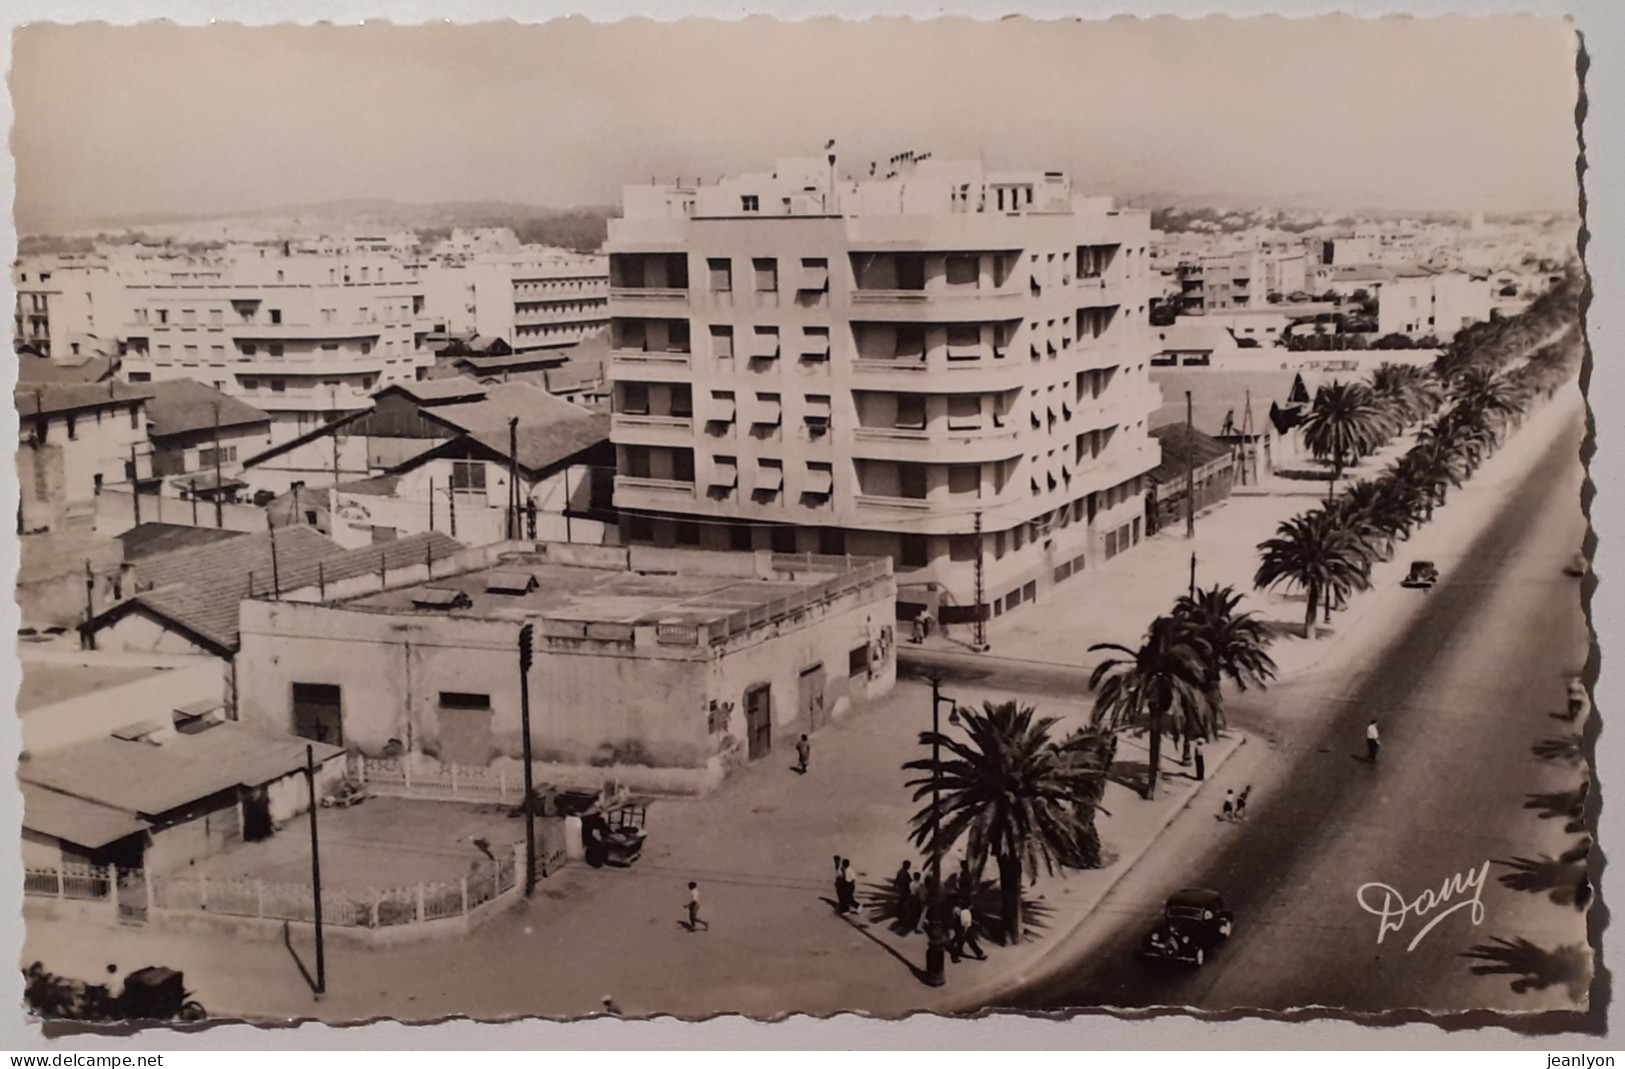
x: 1449, y: 112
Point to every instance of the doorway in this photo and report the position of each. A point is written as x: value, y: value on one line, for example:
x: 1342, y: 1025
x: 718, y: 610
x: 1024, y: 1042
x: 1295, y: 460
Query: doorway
x: 318, y: 713
x: 759, y: 720
x: 810, y: 702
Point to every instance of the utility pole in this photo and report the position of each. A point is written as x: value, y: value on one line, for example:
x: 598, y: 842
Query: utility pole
x: 219, y: 504
x: 513, y: 478
x: 935, y: 951
x: 1190, y: 470
x: 276, y: 578
x: 90, y: 607
x: 431, y: 503
x: 334, y: 394
x: 979, y: 629
x: 1193, y: 577
x: 135, y: 486
x: 192, y: 486
x: 526, y: 635
x: 315, y: 870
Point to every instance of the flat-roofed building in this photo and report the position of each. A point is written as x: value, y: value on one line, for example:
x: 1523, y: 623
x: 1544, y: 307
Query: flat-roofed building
x: 663, y: 667
x: 940, y: 365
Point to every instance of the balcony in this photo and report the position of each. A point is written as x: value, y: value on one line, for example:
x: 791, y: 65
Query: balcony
x: 646, y: 489
x: 937, y: 446
x: 875, y: 503
x: 648, y: 293
x: 939, y: 305
x: 302, y: 331
x: 656, y: 429
x: 633, y: 359
x: 647, y: 301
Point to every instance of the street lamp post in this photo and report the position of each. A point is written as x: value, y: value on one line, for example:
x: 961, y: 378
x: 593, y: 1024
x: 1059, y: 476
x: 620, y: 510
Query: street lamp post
x: 936, y: 941
x: 526, y: 640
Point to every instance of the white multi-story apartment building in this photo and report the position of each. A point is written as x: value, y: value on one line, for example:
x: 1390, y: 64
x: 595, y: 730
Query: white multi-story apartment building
x: 67, y: 305
x: 302, y: 337
x: 939, y: 365
x: 537, y: 297
x: 1432, y: 304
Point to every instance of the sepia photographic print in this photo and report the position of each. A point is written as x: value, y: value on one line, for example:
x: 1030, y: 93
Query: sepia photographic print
x: 634, y: 519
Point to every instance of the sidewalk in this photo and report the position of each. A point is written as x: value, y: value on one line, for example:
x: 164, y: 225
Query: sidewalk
x: 761, y: 850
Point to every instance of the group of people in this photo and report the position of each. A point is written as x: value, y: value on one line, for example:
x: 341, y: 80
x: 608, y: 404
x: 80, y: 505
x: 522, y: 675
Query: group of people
x: 913, y: 895
x: 1235, y: 805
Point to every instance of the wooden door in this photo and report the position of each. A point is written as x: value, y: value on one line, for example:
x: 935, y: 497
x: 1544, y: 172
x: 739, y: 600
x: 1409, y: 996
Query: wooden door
x: 759, y: 720
x: 810, y: 702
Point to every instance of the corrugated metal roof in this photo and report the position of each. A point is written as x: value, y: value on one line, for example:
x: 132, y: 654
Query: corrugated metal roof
x: 150, y: 779
x: 75, y: 820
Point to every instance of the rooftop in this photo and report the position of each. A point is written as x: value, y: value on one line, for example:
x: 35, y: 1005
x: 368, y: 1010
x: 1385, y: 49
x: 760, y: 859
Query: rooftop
x: 46, y: 683
x: 49, y: 398
x: 199, y: 588
x: 550, y: 430
x: 1183, y: 449
x: 151, y: 776
x: 75, y: 820
x: 33, y: 368
x: 691, y: 588
x: 152, y: 539
x: 182, y: 406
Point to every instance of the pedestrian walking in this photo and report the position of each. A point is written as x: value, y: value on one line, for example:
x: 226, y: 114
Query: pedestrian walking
x: 803, y: 754
x: 694, y: 919
x: 1230, y: 804
x: 1200, y: 758
x: 1373, y: 741
x: 1241, y: 802
x: 916, y: 904
x: 846, y: 897
x: 900, y: 884
x: 965, y: 942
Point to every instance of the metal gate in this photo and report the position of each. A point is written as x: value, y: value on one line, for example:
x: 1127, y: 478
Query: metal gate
x: 759, y: 720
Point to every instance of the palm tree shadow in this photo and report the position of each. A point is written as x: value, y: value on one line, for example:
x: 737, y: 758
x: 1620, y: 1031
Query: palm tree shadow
x: 885, y: 907
x: 1570, y: 748
x: 1568, y: 806
x: 1533, y: 967
x: 1131, y: 774
x: 1563, y: 879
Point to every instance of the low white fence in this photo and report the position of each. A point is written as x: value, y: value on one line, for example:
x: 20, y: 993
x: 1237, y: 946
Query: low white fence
x: 86, y: 882
x: 463, y: 783
x: 344, y: 907
x: 383, y: 907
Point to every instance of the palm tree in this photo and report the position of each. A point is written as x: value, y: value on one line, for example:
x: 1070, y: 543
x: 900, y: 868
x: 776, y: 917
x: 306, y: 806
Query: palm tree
x: 1166, y: 675
x: 1406, y: 391
x: 1376, y: 512
x: 1343, y: 425
x: 1231, y: 644
x: 1479, y: 390
x: 1318, y: 553
x: 1009, y: 792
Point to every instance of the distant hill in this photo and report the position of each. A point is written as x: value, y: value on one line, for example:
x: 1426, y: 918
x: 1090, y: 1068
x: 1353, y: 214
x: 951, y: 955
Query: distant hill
x: 578, y: 227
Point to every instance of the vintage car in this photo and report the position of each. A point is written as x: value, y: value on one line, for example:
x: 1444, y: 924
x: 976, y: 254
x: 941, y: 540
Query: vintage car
x: 1423, y: 574
x: 1194, y: 922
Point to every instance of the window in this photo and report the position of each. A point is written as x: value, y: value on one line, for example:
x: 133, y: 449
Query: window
x: 249, y: 384
x: 640, y: 529
x: 964, y: 412
x: 963, y: 270
x: 857, y: 661
x: 330, y: 346
x: 278, y: 386
x: 637, y: 461
x: 276, y: 315
x: 688, y: 533
x: 275, y: 348
x: 815, y: 343
x: 913, y: 551
x: 911, y: 482
x: 677, y: 336
x: 783, y: 539
x: 750, y: 203
x: 910, y: 342
x: 163, y: 315
x: 682, y: 465
x: 73, y: 426
x: 634, y: 399
x: 739, y: 538
x: 468, y: 475
x: 722, y: 275
x: 911, y: 271
x: 765, y: 343
x: 207, y: 458
x: 249, y: 348
x: 140, y: 376
x: 767, y: 274
x: 911, y: 411
x: 964, y: 341
x: 682, y: 399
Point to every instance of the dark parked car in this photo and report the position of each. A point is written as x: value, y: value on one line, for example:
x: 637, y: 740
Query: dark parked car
x: 1423, y: 575
x: 1194, y: 922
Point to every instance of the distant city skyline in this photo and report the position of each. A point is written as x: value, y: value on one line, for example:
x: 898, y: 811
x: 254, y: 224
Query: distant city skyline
x: 1331, y: 112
